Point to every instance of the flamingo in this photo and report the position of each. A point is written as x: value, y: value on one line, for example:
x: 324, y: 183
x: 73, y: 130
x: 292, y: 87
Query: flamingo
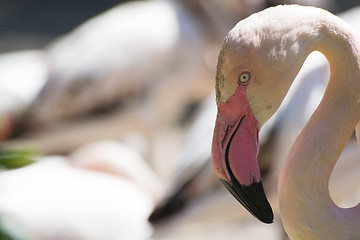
x: 113, y: 58
x: 102, y: 190
x: 22, y: 74
x: 257, y: 64
x: 112, y: 69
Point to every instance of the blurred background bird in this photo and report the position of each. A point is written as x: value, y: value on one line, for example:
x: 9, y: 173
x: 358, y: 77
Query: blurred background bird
x: 117, y: 100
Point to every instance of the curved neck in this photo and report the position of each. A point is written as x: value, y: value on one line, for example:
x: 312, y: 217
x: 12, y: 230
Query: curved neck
x: 303, y: 182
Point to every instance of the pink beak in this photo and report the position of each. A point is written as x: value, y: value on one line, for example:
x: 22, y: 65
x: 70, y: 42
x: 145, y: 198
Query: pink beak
x: 234, y: 154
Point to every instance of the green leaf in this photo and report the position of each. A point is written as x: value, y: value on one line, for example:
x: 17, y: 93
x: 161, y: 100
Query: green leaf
x: 4, y: 235
x: 15, y: 158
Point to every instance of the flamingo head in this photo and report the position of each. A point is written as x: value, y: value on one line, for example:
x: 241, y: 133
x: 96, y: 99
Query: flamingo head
x: 248, y: 91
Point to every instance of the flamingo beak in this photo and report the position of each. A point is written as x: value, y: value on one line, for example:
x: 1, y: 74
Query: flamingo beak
x: 234, y: 158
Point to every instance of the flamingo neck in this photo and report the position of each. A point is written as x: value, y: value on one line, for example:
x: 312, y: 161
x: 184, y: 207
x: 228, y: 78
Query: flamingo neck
x: 306, y: 207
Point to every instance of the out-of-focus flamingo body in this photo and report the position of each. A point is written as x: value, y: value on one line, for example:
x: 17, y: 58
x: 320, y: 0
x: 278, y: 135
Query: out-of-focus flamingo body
x: 91, y: 195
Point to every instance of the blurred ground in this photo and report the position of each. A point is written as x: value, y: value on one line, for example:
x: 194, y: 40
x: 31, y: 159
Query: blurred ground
x: 27, y: 25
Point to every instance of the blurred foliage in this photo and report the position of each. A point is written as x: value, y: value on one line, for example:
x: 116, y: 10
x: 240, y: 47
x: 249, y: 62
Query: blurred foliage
x: 15, y: 158
x: 4, y: 235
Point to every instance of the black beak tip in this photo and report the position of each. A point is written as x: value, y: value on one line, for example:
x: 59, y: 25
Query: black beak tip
x: 253, y: 198
x: 268, y: 219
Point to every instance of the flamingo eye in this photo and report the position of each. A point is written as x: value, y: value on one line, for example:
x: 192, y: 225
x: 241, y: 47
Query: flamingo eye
x: 244, y: 78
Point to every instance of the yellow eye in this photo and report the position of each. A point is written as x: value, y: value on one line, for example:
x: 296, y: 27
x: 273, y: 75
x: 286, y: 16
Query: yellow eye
x: 244, y: 77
